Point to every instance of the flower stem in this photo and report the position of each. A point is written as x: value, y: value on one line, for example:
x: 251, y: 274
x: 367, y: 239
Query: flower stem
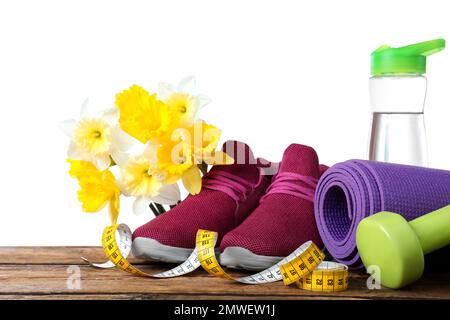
x: 160, y: 208
x: 153, y: 208
x: 203, y: 167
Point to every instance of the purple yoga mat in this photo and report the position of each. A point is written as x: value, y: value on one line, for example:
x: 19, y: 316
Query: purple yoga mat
x: 352, y: 190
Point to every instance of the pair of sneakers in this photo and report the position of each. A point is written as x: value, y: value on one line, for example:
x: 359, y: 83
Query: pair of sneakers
x: 260, y: 218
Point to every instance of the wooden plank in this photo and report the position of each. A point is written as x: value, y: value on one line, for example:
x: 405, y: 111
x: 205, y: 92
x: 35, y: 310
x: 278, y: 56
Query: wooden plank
x: 46, y: 280
x: 41, y: 273
x: 49, y: 255
x: 54, y: 255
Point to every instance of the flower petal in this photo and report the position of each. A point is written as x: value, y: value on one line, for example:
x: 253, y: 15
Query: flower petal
x: 67, y: 126
x: 90, y: 200
x: 114, y: 208
x: 75, y: 153
x: 123, y: 189
x: 171, y: 179
x: 141, y: 205
x: 123, y: 141
x: 84, y: 108
x: 192, y: 180
x: 203, y: 100
x: 111, y: 116
x: 188, y: 85
x: 165, y: 90
x: 120, y: 158
x: 169, y: 194
x: 142, y: 115
x: 102, y: 162
x: 150, y: 151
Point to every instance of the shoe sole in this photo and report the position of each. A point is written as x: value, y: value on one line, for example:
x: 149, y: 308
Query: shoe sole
x: 152, y: 250
x: 241, y: 258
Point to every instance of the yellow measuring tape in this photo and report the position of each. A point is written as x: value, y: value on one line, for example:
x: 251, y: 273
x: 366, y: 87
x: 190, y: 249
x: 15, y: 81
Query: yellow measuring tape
x: 305, y: 266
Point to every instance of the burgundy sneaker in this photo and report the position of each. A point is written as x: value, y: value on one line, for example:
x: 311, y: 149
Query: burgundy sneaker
x: 284, y: 219
x: 229, y: 194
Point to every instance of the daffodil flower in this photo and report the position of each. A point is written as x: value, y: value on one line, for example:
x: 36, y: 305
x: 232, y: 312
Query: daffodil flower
x: 204, y: 139
x: 97, y: 188
x: 142, y: 115
x: 141, y: 178
x: 183, y: 100
x: 96, y: 137
x: 175, y: 158
x: 180, y: 153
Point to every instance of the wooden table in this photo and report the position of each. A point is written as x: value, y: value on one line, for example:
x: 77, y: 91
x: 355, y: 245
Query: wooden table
x: 42, y: 273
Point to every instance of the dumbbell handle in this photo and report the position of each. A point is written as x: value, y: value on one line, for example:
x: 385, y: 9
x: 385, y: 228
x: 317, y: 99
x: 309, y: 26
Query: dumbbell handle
x: 433, y: 229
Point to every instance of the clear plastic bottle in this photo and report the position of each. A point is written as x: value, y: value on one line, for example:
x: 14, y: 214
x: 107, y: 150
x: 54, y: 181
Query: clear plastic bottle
x: 397, y: 96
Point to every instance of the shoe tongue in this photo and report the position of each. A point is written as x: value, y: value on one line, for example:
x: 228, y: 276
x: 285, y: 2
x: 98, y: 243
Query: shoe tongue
x: 244, y: 165
x: 300, y: 159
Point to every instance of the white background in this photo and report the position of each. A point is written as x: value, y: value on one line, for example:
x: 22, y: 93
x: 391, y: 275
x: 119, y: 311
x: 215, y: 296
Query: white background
x: 277, y: 71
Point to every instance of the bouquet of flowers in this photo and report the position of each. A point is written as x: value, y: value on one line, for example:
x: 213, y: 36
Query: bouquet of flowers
x: 142, y: 147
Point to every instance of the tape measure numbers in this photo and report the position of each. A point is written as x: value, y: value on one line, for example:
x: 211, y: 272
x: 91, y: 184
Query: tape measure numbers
x: 327, y: 277
x: 305, y: 266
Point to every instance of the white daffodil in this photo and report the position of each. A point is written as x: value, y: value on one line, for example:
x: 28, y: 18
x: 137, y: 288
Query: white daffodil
x: 140, y: 178
x: 96, y: 137
x: 183, y: 99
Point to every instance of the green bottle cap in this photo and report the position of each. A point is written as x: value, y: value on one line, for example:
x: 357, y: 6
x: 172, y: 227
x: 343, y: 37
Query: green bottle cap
x: 410, y: 59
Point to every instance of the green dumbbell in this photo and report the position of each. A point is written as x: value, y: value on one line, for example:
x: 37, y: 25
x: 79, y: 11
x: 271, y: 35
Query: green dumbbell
x: 397, y: 246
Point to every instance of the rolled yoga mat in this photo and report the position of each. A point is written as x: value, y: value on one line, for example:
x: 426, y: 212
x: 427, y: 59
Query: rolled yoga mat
x: 352, y: 190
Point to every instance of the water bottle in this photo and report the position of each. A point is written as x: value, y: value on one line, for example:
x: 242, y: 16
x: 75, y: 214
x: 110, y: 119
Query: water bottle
x: 397, y: 97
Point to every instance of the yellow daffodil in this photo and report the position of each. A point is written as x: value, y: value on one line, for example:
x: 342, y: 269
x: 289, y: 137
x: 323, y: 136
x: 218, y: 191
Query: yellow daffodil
x: 97, y: 137
x: 175, y: 158
x: 97, y: 188
x: 204, y: 139
x: 142, y: 115
x: 179, y: 154
x: 141, y: 178
x: 183, y: 100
